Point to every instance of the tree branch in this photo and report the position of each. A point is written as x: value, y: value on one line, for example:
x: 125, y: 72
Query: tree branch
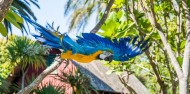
x: 153, y: 21
x: 173, y: 78
x: 185, y: 66
x: 38, y: 80
x: 177, y: 9
x: 24, y: 71
x: 153, y: 65
x: 126, y: 84
x: 4, y: 7
x: 104, y: 17
x: 186, y: 55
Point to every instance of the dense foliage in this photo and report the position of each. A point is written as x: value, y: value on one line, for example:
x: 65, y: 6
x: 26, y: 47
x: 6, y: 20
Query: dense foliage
x: 157, y: 20
x: 20, y: 51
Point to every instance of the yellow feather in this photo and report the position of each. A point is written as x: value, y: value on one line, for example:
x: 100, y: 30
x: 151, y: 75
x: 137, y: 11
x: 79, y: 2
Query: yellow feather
x: 81, y: 57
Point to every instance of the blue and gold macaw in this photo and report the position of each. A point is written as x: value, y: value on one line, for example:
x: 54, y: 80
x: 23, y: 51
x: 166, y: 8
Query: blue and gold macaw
x: 90, y: 46
x: 121, y: 50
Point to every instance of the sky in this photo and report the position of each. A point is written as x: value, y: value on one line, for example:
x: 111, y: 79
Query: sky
x: 53, y: 11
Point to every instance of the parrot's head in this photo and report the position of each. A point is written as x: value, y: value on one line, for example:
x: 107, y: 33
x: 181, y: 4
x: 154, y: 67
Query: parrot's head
x: 106, y: 55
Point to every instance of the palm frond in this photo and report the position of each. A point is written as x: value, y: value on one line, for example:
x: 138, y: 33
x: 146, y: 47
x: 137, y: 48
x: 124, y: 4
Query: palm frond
x: 48, y: 89
x: 4, y: 86
x: 81, y: 11
x: 24, y: 8
x: 7, y: 25
x: 27, y: 52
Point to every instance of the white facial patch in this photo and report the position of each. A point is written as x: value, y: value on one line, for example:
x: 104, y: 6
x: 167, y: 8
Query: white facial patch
x: 105, y: 54
x: 102, y: 56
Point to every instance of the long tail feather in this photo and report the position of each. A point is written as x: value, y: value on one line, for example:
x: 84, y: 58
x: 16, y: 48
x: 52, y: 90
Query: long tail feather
x: 43, y: 31
x: 47, y: 42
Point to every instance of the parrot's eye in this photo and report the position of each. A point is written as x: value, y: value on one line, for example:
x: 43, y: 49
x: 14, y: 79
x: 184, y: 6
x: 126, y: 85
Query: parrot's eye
x: 107, y: 53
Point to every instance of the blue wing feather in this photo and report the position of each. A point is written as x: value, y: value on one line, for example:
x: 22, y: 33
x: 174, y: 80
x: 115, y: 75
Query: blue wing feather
x: 47, y: 42
x: 123, y: 50
x: 48, y: 38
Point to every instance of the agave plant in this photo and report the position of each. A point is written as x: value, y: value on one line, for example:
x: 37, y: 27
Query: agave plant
x: 48, y: 89
x: 25, y: 52
x: 79, y: 82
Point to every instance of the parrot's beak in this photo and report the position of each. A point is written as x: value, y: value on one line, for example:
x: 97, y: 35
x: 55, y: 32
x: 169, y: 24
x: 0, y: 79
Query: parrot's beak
x: 106, y: 57
x: 110, y: 58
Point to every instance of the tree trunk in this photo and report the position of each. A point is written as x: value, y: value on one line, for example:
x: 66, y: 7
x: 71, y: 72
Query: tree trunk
x: 104, y: 17
x: 39, y: 79
x: 183, y: 86
x: 23, y: 76
x: 183, y: 82
x: 4, y: 7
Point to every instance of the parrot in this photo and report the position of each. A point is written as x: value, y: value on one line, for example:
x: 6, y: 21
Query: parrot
x: 90, y: 46
x: 122, y: 49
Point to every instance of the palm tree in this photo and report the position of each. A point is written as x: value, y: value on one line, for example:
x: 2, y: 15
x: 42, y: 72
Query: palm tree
x: 25, y: 52
x: 81, y: 11
x: 23, y: 7
x: 77, y: 81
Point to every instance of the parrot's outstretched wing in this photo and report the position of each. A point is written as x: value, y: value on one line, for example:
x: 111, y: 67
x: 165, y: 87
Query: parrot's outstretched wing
x: 47, y: 37
x: 122, y: 49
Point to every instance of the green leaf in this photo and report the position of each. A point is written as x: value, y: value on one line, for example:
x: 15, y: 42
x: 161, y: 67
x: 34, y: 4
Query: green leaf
x: 18, y: 18
x: 118, y: 3
x: 188, y: 4
x: 13, y: 8
x: 111, y: 25
x: 118, y: 72
x: 155, y: 35
x: 3, y: 30
x: 182, y: 44
x: 132, y: 32
x: 180, y: 60
x: 12, y: 19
